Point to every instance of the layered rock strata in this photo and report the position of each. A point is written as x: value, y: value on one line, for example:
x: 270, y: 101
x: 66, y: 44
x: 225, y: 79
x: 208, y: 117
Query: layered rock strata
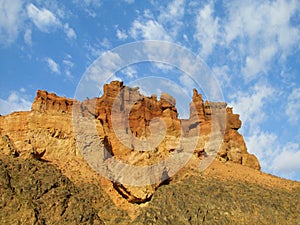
x: 132, y: 128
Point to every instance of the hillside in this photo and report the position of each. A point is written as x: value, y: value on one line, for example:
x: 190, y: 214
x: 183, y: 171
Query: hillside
x: 71, y: 162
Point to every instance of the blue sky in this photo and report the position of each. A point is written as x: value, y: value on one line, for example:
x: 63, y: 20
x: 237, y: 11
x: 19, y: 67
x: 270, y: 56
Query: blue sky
x: 252, y: 47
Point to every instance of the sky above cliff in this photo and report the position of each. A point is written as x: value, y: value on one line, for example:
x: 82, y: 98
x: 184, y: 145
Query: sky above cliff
x: 251, y: 47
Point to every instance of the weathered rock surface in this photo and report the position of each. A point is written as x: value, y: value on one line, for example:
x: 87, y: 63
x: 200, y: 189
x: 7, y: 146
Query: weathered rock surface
x: 51, y: 103
x: 127, y: 122
x: 46, y: 148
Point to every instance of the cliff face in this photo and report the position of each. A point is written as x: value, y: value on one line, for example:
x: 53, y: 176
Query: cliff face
x: 46, y: 132
x: 142, y: 110
x: 45, y: 176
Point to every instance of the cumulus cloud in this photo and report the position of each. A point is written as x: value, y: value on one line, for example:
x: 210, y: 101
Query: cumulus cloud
x: 149, y: 30
x: 171, y: 17
x: 130, y: 72
x: 104, y: 67
x: 264, y: 145
x: 105, y: 43
x: 222, y: 75
x: 276, y: 158
x: 287, y: 162
x: 207, y: 30
x: 251, y: 105
x: 71, y: 34
x: 44, y: 19
x: 11, y: 19
x: 258, y: 20
x: 293, y: 106
x: 258, y: 32
x: 175, y: 9
x: 14, y: 102
x: 260, y: 63
x: 53, y: 66
x: 121, y: 35
x: 165, y: 26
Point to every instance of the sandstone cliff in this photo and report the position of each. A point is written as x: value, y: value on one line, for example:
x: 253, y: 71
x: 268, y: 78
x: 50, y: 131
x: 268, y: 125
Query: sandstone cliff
x: 47, y: 132
x: 136, y: 130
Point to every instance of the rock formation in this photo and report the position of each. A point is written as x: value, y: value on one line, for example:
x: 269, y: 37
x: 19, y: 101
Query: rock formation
x: 50, y: 103
x: 122, y: 113
x: 45, y: 177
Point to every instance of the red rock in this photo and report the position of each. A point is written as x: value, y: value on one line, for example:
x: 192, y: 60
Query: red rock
x: 49, y: 126
x: 233, y: 120
x: 51, y: 103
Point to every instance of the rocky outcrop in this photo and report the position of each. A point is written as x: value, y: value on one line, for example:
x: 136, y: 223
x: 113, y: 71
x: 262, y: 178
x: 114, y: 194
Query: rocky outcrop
x: 51, y: 103
x: 125, y: 120
x: 45, y: 179
x: 233, y: 147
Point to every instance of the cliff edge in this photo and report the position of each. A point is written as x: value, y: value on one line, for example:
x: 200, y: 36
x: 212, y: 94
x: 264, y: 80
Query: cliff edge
x: 47, y: 136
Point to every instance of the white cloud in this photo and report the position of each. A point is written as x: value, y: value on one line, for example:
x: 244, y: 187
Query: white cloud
x: 256, y: 64
x: 71, y: 34
x: 207, y: 30
x: 68, y: 65
x: 104, y: 67
x: 165, y: 26
x: 121, y: 35
x: 274, y: 157
x: 287, y: 162
x: 264, y: 146
x: 28, y: 37
x: 14, y: 102
x: 251, y: 105
x: 261, y: 20
x: 89, y: 6
x: 93, y: 52
x: 293, y: 106
x: 130, y: 72
x: 259, y: 31
x: 222, y: 75
x: 174, y: 10
x: 53, y: 66
x: 105, y: 43
x: 171, y: 17
x: 149, y: 30
x: 11, y: 19
x: 44, y: 19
